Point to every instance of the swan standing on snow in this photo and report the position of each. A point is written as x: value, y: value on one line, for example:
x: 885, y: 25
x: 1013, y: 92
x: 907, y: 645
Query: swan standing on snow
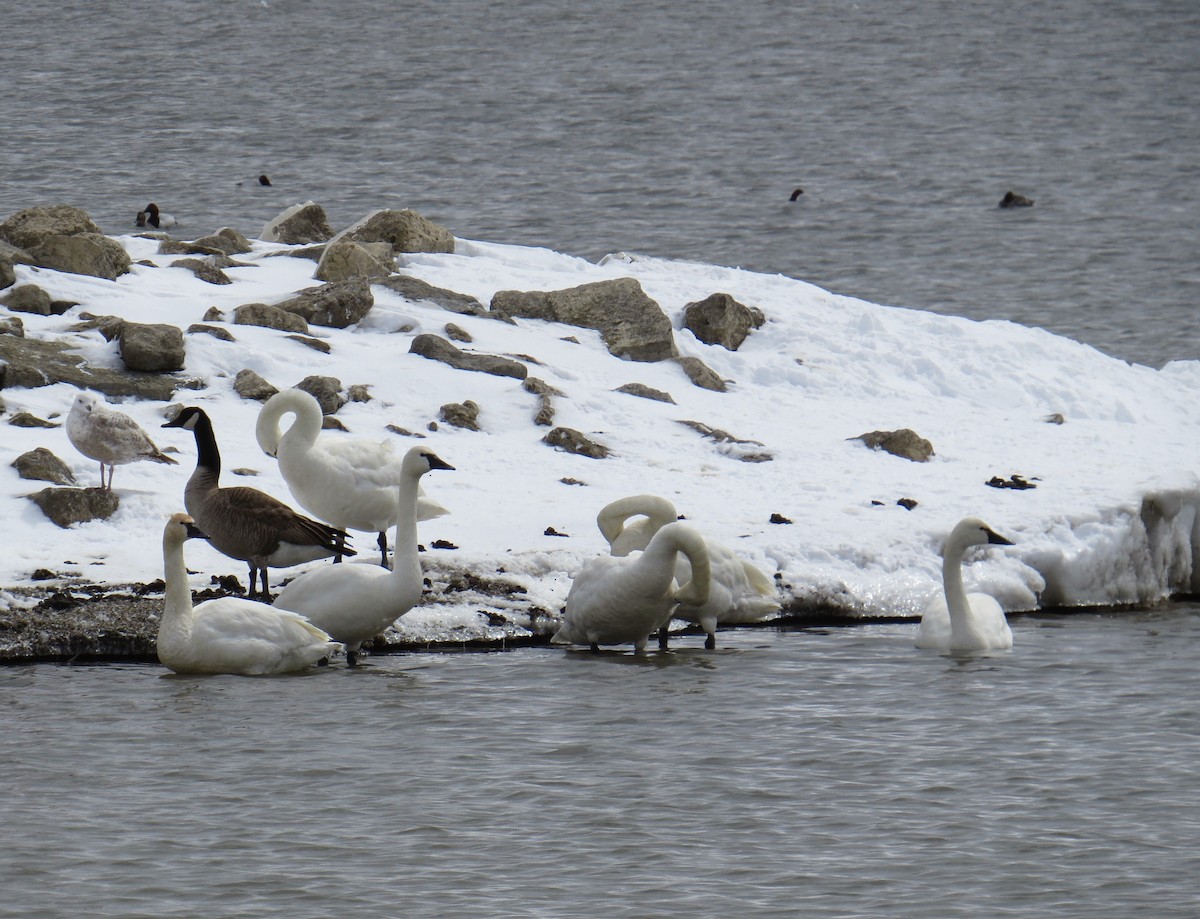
x: 350, y: 484
x: 354, y: 603
x: 110, y: 437
x: 153, y: 217
x: 740, y: 592
x: 617, y: 600
x: 229, y: 634
x: 957, y: 620
x: 245, y: 523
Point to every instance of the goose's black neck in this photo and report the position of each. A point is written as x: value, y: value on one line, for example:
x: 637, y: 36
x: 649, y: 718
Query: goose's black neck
x: 207, y: 455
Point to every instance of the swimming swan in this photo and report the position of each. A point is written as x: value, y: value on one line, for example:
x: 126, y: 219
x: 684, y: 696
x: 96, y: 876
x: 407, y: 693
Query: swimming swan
x: 229, y: 634
x: 108, y: 436
x: 348, y: 483
x: 740, y: 592
x: 617, y: 600
x: 354, y: 603
x: 245, y: 523
x: 957, y: 620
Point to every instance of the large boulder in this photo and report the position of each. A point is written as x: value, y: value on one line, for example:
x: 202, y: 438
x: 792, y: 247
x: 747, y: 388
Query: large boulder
x: 404, y: 231
x: 29, y: 298
x: 65, y: 506
x: 346, y: 258
x: 720, y: 320
x: 151, y: 347
x: 29, y: 227
x: 632, y: 325
x: 326, y: 390
x: 87, y: 253
x: 905, y: 443
x: 270, y: 317
x: 438, y: 349
x: 337, y: 304
x: 300, y: 223
x: 42, y: 465
x: 31, y: 362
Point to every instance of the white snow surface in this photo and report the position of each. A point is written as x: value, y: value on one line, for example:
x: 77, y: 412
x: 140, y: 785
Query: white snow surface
x: 1113, y: 519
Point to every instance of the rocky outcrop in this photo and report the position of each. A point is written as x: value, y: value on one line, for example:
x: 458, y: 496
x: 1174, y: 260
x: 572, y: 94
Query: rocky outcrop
x: 30, y: 226
x: 720, y: 320
x: 65, y: 506
x: 346, y: 259
x: 336, y: 305
x: 544, y: 391
x: 31, y: 362
x: 404, y: 231
x: 64, y: 238
x: 438, y: 349
x: 905, y: 443
x: 42, y: 465
x: 299, y: 224
x: 417, y: 290
x: 269, y: 317
x: 571, y: 441
x: 632, y: 325
x: 151, y: 347
x: 29, y: 298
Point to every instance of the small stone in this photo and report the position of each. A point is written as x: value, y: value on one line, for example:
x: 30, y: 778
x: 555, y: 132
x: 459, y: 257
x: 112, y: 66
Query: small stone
x: 215, y: 331
x: 907, y: 503
x: 571, y: 441
x: 360, y: 392
x: 778, y: 518
x: 26, y: 420
x: 550, y: 531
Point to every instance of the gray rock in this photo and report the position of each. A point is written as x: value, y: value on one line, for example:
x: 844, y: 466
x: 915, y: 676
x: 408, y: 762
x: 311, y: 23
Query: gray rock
x: 204, y: 269
x: 544, y: 391
x: 326, y: 390
x: 457, y: 333
x: 572, y: 441
x: 438, y: 349
x: 269, y: 317
x: 151, y: 347
x: 31, y: 362
x: 249, y: 385
x: 65, y: 506
x: 226, y: 241
x: 29, y: 298
x: 701, y: 374
x: 360, y: 392
x: 461, y: 415
x: 89, y: 253
x: 12, y: 325
x: 905, y: 443
x: 404, y: 231
x: 29, y: 227
x: 216, y: 331
x: 645, y: 392
x: 182, y: 247
x: 8, y: 277
x: 632, y: 325
x: 721, y: 320
x: 345, y: 258
x: 43, y: 466
x: 417, y: 290
x: 337, y: 305
x: 212, y: 314
x: 309, y: 342
x: 108, y: 326
x: 26, y: 420
x: 301, y: 223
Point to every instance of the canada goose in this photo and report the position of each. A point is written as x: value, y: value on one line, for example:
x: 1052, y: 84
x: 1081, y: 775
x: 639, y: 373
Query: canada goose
x: 956, y: 620
x: 354, y: 603
x: 110, y: 437
x: 228, y: 634
x: 617, y: 600
x: 245, y: 523
x: 349, y: 483
x: 153, y: 217
x: 739, y: 592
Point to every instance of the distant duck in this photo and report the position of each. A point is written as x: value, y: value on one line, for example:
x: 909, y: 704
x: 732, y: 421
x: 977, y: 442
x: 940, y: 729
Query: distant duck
x: 264, y: 179
x: 796, y: 194
x: 739, y: 592
x: 153, y: 217
x: 1012, y: 199
x: 228, y: 634
x: 614, y: 600
x: 110, y: 437
x: 354, y: 603
x: 245, y: 523
x: 957, y: 620
x: 348, y: 483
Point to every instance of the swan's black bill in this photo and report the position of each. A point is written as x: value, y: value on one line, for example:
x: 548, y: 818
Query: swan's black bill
x: 996, y: 539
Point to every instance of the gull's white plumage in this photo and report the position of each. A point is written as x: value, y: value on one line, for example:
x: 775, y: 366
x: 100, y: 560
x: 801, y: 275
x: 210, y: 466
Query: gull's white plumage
x: 229, y: 634
x: 110, y: 437
x: 347, y: 482
x: 956, y: 620
x: 614, y: 600
x: 739, y: 592
x: 354, y: 603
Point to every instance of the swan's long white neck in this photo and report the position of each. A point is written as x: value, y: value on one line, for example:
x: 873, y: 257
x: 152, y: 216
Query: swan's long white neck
x: 952, y: 582
x: 176, y: 619
x: 407, y: 562
x: 659, y: 558
x: 611, y: 520
x: 306, y: 426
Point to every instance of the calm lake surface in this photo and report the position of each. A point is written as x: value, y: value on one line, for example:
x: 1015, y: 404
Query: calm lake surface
x: 811, y: 773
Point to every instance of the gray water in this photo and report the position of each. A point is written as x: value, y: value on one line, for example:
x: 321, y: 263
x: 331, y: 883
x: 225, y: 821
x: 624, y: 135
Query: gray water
x: 813, y: 773
x: 676, y: 130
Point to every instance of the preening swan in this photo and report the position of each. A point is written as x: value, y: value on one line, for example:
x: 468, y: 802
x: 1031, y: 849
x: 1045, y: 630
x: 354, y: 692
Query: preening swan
x: 354, y: 603
x: 617, y: 600
x: 229, y: 634
x: 739, y: 592
x: 350, y: 484
x: 110, y: 437
x: 246, y: 523
x: 957, y: 620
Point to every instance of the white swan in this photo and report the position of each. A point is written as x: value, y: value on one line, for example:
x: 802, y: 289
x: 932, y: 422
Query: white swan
x: 740, y: 592
x: 354, y: 603
x: 956, y: 620
x: 110, y: 437
x: 349, y: 483
x: 617, y: 600
x: 229, y: 634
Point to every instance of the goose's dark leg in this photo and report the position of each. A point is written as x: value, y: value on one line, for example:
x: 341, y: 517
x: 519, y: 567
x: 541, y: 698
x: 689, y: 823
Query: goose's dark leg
x: 351, y: 658
x: 595, y: 648
x: 382, y: 541
x: 662, y: 638
x: 266, y: 591
x: 710, y: 641
x: 253, y: 578
x: 340, y: 544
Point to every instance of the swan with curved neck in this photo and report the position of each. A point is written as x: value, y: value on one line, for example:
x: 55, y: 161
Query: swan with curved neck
x: 739, y: 592
x: 349, y: 483
x: 614, y: 600
x: 354, y: 603
x: 957, y: 620
x: 228, y: 634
